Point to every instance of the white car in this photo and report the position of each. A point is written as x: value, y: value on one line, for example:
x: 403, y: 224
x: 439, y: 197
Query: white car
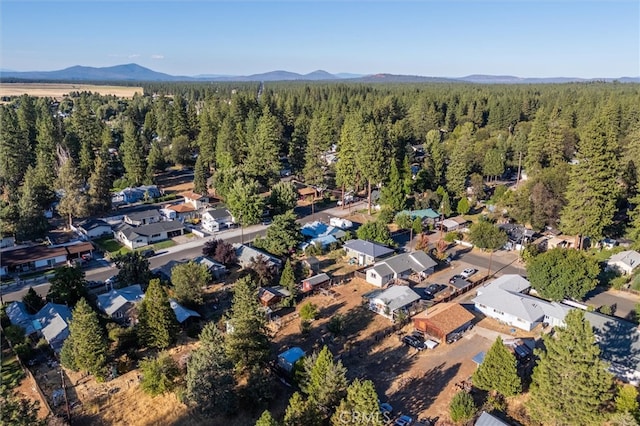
x: 468, y: 272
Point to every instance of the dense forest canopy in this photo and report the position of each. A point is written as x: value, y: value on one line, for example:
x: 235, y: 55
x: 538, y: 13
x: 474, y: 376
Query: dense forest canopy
x: 578, y: 145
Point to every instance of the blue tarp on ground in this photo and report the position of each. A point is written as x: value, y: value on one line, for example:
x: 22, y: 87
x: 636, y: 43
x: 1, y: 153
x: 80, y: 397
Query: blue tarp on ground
x: 479, y: 357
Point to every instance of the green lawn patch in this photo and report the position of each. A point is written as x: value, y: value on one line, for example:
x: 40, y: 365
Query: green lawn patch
x: 111, y: 246
x: 164, y: 244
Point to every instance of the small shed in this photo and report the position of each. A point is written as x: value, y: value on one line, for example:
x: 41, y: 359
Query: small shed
x: 287, y: 359
x: 315, y: 282
x: 270, y: 296
x: 312, y: 263
x: 442, y: 320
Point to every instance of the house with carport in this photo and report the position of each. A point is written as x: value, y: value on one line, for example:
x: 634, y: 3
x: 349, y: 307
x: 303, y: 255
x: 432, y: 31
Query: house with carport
x: 403, y: 266
x: 366, y: 252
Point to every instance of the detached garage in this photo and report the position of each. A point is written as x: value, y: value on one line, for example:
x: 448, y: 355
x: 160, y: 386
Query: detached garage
x: 442, y: 320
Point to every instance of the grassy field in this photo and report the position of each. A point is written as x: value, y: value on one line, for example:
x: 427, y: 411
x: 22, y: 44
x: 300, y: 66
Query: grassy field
x: 11, y: 371
x: 59, y: 91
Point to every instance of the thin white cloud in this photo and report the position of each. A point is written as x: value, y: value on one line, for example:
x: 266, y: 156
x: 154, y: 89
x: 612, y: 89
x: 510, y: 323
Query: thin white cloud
x: 157, y: 56
x: 134, y: 55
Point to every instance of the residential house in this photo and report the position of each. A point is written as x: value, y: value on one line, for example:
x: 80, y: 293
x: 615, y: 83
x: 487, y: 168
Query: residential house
x: 428, y: 216
x: 624, y: 262
x: 394, y: 300
x: 143, y: 217
x: 306, y: 192
x: 442, y: 320
x: 94, y: 228
x: 320, y: 234
x: 561, y: 241
x: 246, y: 255
x: 135, y: 194
x: 402, y: 266
x: 41, y: 257
x: 195, y: 200
x: 312, y: 264
x: 366, y: 252
x: 505, y: 300
x: 121, y: 304
x: 216, y: 269
x: 142, y: 236
x: 213, y: 220
x: 487, y: 419
x: 447, y: 225
x: 51, y: 322
x: 271, y: 296
x: 183, y: 212
x: 321, y: 280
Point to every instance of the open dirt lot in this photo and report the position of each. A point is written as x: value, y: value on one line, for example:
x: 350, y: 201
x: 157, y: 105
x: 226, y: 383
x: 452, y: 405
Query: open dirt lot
x: 58, y: 91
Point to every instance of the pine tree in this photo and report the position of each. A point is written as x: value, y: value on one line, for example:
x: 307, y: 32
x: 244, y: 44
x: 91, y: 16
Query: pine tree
x: 283, y: 198
x: 248, y: 343
x: 133, y: 155
x: 74, y: 202
x: 436, y: 153
x: 157, y: 324
x: 86, y: 347
x: 288, y: 281
x: 18, y: 411
x: 346, y: 168
x: 370, y: 161
x: 570, y: 382
x: 32, y: 223
x: 158, y: 374
x: 156, y: 161
x: 209, y: 382
x: 593, y: 184
x: 188, y: 281
x: 627, y: 400
x: 266, y: 419
x: 324, y: 380
x: 100, y: 184
x: 263, y: 162
x: 393, y: 194
x: 301, y: 412
x: 245, y: 202
x: 360, y: 406
x: 15, y: 155
x: 498, y: 371
x: 463, y: 206
x: 407, y: 176
x: 33, y: 301
x: 200, y: 176
x: 68, y: 286
x: 283, y: 236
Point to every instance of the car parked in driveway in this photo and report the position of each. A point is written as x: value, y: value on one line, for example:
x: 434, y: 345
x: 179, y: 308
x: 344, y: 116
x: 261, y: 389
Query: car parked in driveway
x: 413, y: 341
x: 403, y: 420
x: 468, y: 272
x: 434, y: 289
x: 454, y: 278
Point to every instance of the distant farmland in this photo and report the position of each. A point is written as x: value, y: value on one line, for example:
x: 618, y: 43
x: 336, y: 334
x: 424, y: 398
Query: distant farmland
x: 59, y: 90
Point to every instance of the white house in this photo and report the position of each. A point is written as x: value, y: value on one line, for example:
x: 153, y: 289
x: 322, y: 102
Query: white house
x: 624, y: 262
x: 197, y: 201
x: 505, y: 300
x: 393, y: 300
x: 141, y: 236
x: 215, y: 219
x: 94, y: 228
x: 400, y: 267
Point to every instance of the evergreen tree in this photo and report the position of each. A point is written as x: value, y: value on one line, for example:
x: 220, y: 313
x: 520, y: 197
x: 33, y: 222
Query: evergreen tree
x: 209, y: 382
x: 201, y: 174
x: 86, y: 347
x: 248, y: 344
x: 17, y: 411
x: 347, y: 167
x: 407, y: 176
x: 32, y: 223
x: 570, y: 382
x: 283, y: 197
x: 15, y: 155
x: 463, y: 206
x: 245, y: 202
x: 33, y: 301
x: 493, y: 164
x: 375, y: 231
x: 593, y: 184
x: 301, y: 412
x: 181, y: 150
x: 360, y: 407
x: 370, y: 158
x: 188, y: 281
x: 266, y: 419
x: 436, y: 153
x: 283, y: 236
x: 100, y: 184
x: 133, y: 269
x: 462, y: 407
x: 157, y: 324
x: 288, y: 281
x: 74, y: 202
x: 393, y: 194
x: 158, y: 374
x: 318, y: 139
x: 263, y: 162
x: 227, y: 155
x: 156, y: 161
x: 68, y: 286
x: 133, y: 155
x: 627, y: 400
x: 498, y: 371
x: 324, y: 380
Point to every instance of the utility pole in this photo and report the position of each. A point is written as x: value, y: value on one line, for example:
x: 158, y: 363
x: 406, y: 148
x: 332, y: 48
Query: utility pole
x: 66, y: 400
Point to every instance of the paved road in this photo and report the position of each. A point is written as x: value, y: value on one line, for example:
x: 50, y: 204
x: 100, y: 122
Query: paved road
x: 100, y: 270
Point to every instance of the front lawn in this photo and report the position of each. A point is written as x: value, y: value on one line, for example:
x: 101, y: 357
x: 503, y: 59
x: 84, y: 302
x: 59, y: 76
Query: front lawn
x: 111, y: 246
x: 163, y: 244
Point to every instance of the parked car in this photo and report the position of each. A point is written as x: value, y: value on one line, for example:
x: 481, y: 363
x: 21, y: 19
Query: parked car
x: 147, y: 253
x: 414, y: 342
x: 454, y: 278
x: 403, y: 420
x: 94, y: 284
x: 111, y: 280
x: 468, y: 272
x: 386, y: 408
x: 434, y: 289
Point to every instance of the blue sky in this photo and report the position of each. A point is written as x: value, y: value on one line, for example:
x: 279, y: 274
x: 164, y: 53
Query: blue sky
x: 430, y: 38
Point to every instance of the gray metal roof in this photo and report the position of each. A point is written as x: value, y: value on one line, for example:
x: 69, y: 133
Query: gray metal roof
x: 382, y: 269
x: 145, y: 214
x: 368, y: 248
x: 317, y: 279
x: 151, y: 229
x: 18, y: 315
x: 417, y: 261
x: 182, y: 313
x: 54, y: 320
x: 244, y: 254
x: 397, y: 297
x: 110, y: 302
x: 90, y: 224
x: 631, y: 258
x: 487, y: 419
x: 218, y: 213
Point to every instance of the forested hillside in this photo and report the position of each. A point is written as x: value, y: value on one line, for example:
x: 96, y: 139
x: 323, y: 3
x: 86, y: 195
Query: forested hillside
x: 577, y: 144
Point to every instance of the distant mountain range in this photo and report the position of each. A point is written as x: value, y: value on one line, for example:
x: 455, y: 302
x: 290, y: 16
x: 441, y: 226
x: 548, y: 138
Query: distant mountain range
x: 137, y: 73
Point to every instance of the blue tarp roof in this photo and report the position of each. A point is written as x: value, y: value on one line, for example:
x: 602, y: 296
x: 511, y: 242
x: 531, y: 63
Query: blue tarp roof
x: 325, y: 240
x: 292, y: 355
